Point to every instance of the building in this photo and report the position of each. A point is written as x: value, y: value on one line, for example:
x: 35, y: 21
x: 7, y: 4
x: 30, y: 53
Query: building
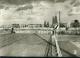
x: 35, y: 25
x: 15, y: 25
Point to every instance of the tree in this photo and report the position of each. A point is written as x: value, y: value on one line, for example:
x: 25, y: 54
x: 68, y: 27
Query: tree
x: 47, y: 24
x: 62, y: 25
x: 75, y: 24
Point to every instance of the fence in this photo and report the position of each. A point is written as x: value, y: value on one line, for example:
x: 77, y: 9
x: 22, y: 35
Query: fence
x: 34, y: 30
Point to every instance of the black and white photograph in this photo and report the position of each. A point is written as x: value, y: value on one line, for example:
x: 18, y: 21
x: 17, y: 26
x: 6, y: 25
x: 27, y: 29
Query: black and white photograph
x: 40, y: 28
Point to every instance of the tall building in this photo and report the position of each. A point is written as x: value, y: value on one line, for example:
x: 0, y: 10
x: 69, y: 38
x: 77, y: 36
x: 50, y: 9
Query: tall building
x: 54, y: 21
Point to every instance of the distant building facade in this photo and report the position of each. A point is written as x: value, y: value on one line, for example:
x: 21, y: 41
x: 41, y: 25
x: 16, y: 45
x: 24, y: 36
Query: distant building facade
x: 35, y: 25
x: 15, y: 25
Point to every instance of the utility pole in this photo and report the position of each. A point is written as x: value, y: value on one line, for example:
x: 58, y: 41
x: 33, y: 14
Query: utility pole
x: 57, y: 45
x: 58, y: 51
x: 54, y: 38
x: 59, y: 19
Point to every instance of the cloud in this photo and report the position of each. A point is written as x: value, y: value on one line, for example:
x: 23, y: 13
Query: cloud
x: 37, y: 11
x: 60, y: 0
x: 75, y: 11
x: 24, y: 7
x: 15, y: 2
x: 1, y: 6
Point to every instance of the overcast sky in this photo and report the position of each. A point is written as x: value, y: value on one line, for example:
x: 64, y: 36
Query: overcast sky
x: 37, y: 11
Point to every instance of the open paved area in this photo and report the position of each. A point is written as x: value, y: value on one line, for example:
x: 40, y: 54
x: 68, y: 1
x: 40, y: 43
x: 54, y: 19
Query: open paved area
x: 33, y: 45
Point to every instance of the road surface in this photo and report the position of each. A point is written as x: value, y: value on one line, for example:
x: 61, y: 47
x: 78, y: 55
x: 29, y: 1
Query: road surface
x: 32, y: 45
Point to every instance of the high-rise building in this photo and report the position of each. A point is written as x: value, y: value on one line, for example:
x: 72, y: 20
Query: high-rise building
x: 54, y: 21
